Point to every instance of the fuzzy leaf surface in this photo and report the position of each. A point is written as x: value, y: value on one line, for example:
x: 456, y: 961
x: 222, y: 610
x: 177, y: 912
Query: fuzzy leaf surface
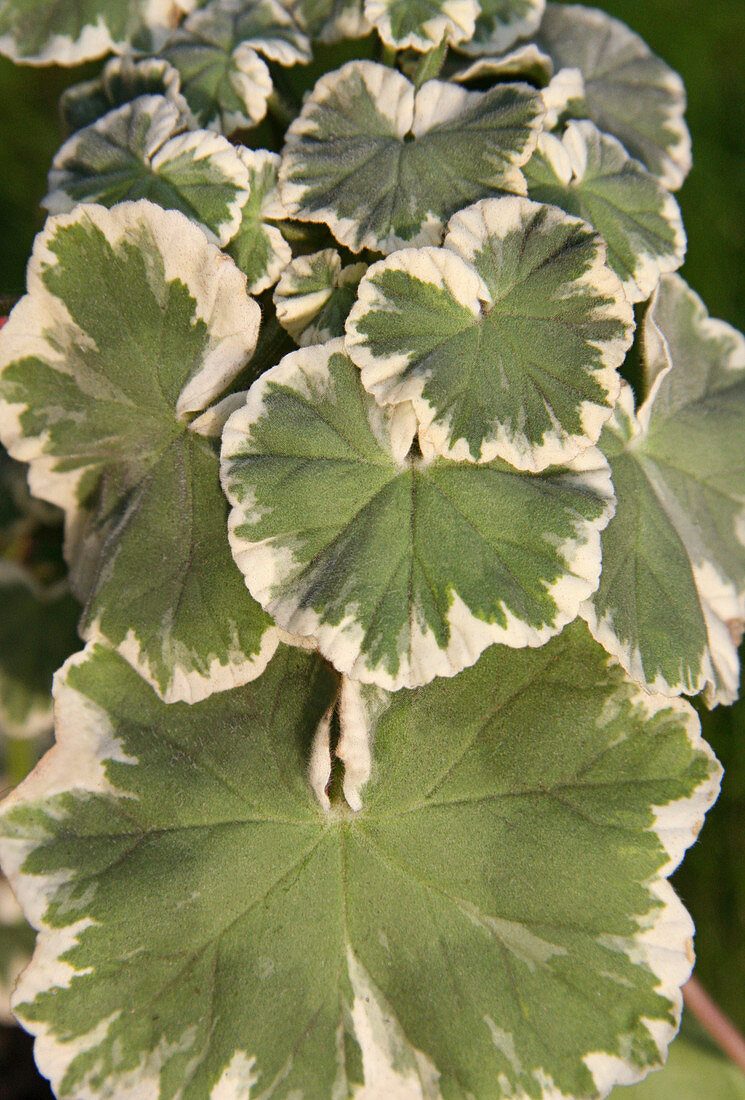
x: 97, y: 393
x: 258, y: 247
x: 384, y: 165
x: 315, y: 294
x: 507, y: 859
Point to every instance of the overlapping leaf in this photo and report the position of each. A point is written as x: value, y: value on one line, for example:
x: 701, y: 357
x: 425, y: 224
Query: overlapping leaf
x: 207, y: 930
x: 16, y: 944
x: 629, y: 92
x: 401, y: 569
x: 58, y: 32
x: 671, y: 601
x: 507, y: 339
x: 97, y: 393
x: 330, y: 20
x: 590, y: 174
x: 137, y: 151
x: 315, y: 294
x: 259, y: 248
x: 384, y: 165
x: 501, y: 23
x: 526, y: 62
x: 225, y: 81
x: 422, y: 24
x: 121, y: 81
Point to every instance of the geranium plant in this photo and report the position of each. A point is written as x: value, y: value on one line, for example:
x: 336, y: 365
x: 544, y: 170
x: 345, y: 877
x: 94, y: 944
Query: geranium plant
x: 403, y: 492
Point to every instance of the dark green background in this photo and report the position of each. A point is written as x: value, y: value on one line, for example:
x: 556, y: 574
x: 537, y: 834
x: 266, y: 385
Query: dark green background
x: 705, y: 41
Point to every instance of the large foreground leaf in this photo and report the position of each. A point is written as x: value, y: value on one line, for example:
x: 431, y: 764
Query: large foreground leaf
x: 507, y: 339
x: 384, y: 165
x: 98, y: 390
x: 493, y: 922
x: 590, y: 174
x: 671, y: 601
x: 629, y: 92
x: 401, y: 569
x: 64, y: 33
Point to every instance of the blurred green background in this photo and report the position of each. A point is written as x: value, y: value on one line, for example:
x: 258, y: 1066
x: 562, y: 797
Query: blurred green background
x: 705, y: 41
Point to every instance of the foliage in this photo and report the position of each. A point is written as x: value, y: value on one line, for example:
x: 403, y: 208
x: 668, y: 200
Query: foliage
x: 387, y: 819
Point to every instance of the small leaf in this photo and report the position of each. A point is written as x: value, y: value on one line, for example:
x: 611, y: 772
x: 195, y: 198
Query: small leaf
x: 590, y: 174
x: 136, y: 151
x: 97, y: 393
x: 507, y: 339
x: 314, y: 296
x: 121, y: 81
x: 52, y: 33
x: 330, y: 21
x: 526, y: 62
x: 259, y: 248
x: 629, y: 92
x: 501, y: 23
x: 672, y: 591
x: 384, y: 165
x: 399, y: 568
x: 422, y: 24
x: 207, y: 930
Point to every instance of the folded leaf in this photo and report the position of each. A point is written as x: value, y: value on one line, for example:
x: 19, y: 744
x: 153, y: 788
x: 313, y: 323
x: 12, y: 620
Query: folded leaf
x: 401, y: 569
x: 315, y: 294
x: 384, y: 165
x: 97, y: 390
x: 507, y: 339
x: 207, y: 930
x: 121, y: 81
x: 590, y: 174
x: 258, y: 247
x: 330, y: 20
x: 671, y: 601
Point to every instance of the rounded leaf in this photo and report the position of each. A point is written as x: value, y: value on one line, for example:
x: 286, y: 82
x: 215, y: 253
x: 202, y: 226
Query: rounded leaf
x: 314, y: 296
x: 122, y: 79
x: 258, y: 248
x: 501, y: 23
x: 422, y: 24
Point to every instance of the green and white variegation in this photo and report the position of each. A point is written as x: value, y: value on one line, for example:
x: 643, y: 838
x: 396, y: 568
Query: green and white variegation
x: 629, y: 92
x: 99, y: 393
x: 314, y: 296
x: 122, y: 80
x: 525, y: 62
x: 16, y: 945
x: 46, y: 32
x: 138, y: 152
x: 696, y: 1067
x: 590, y: 174
x: 259, y: 248
x: 385, y: 165
x: 506, y: 340
x: 501, y: 23
x: 401, y: 568
x: 330, y: 21
x: 207, y: 929
x: 422, y: 24
x: 216, y: 50
x: 671, y: 601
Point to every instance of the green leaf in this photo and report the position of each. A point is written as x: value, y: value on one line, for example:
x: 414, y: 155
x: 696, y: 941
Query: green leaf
x: 137, y: 151
x: 384, y: 165
x: 501, y: 23
x: 56, y: 32
x: 695, y: 1069
x: 98, y: 391
x: 671, y: 600
x: 422, y: 24
x: 506, y: 340
x: 330, y: 20
x: 629, y: 92
x: 216, y: 51
x: 121, y: 81
x: 495, y: 920
x: 590, y: 174
x: 315, y: 294
x: 400, y: 568
x: 259, y: 248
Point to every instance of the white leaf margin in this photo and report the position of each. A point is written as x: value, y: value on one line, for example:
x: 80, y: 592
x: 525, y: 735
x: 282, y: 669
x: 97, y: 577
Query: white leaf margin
x: 298, y: 309
x: 257, y: 162
x: 456, y: 22
x: 504, y: 35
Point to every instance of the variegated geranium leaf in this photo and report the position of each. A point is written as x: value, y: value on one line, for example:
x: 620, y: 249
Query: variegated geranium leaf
x: 121, y: 81
x: 136, y: 151
x: 216, y: 51
x: 330, y: 21
x: 671, y: 601
x: 505, y: 875
x: 501, y: 23
x: 507, y: 339
x: 53, y: 32
x: 629, y: 92
x: 133, y: 324
x: 315, y: 294
x: 16, y: 945
x: 696, y: 1067
x: 401, y: 568
x: 422, y: 24
x: 526, y: 62
x: 259, y: 248
x: 384, y: 165
x: 590, y: 174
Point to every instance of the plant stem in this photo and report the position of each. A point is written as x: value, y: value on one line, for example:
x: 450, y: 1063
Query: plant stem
x: 431, y: 64
x: 714, y: 1021
x: 388, y: 56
